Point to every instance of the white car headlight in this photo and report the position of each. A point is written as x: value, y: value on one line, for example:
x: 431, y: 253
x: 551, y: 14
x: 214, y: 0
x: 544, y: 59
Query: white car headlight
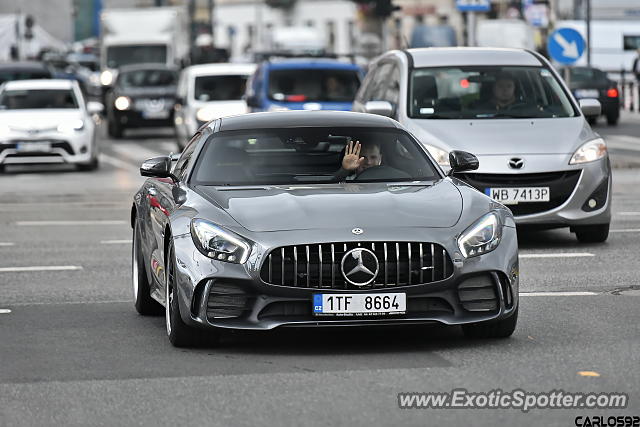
x: 439, y: 155
x: 122, y: 103
x: 482, y: 237
x: 106, y: 78
x: 69, y: 127
x: 219, y: 244
x: 206, y: 114
x: 589, y: 151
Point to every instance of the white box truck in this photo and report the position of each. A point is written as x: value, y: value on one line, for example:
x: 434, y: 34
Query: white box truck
x: 142, y: 35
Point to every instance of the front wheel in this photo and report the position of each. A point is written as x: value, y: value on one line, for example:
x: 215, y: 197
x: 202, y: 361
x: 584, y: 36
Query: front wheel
x: 592, y: 233
x: 503, y: 328
x: 180, y: 334
x: 612, y: 119
x: 91, y: 166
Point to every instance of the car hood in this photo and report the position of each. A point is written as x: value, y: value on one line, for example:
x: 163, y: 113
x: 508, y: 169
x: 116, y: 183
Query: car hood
x: 504, y: 136
x: 338, y: 206
x: 19, y: 120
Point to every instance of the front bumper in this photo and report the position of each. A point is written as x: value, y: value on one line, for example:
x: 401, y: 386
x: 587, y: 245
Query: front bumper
x: 223, y: 295
x: 138, y: 118
x: 76, y: 148
x: 573, y: 185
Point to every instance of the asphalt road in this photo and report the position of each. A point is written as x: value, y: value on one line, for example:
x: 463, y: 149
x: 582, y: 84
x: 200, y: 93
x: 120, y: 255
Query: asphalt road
x: 73, y: 351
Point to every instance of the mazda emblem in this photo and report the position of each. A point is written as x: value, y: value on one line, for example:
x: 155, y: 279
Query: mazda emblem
x: 516, y: 163
x: 359, y: 266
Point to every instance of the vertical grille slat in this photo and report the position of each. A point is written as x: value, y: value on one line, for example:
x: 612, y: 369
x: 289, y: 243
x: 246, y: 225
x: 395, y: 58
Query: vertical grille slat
x: 399, y: 264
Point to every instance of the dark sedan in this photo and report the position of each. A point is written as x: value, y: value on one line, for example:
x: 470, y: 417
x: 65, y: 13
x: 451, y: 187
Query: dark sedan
x: 589, y: 82
x: 142, y: 96
x: 318, y: 219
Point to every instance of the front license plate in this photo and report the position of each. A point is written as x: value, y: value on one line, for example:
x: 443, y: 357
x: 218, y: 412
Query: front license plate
x: 359, y: 304
x: 31, y: 147
x: 587, y: 93
x: 513, y: 196
x: 162, y: 114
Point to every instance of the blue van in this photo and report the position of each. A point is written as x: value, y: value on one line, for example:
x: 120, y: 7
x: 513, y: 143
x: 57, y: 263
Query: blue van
x: 303, y: 84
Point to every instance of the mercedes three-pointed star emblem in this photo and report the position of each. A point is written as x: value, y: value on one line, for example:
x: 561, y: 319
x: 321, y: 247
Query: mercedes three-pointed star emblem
x: 359, y: 266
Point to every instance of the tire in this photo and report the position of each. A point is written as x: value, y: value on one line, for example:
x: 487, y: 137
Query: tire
x: 91, y: 166
x: 114, y: 129
x: 612, y: 119
x: 180, y: 334
x: 492, y: 329
x: 145, y: 305
x: 592, y: 120
x: 592, y: 233
x: 3, y: 168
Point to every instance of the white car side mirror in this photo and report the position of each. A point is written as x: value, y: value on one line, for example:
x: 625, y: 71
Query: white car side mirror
x: 590, y: 107
x: 381, y: 108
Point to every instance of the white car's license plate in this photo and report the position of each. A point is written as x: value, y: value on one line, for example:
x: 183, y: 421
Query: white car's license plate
x: 31, y: 147
x: 587, y: 93
x: 513, y: 196
x: 162, y: 114
x: 359, y: 304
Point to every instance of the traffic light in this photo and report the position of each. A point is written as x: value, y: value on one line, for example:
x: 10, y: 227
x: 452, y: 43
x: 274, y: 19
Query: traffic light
x: 384, y: 8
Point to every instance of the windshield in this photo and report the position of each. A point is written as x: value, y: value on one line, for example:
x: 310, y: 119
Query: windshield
x: 147, y: 78
x: 313, y: 85
x: 37, y: 98
x: 587, y: 75
x: 118, y: 56
x: 219, y: 88
x: 6, y: 76
x: 310, y: 156
x: 487, y: 92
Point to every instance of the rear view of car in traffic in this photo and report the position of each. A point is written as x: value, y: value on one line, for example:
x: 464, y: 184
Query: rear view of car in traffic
x: 593, y: 83
x: 142, y: 96
x: 47, y: 121
x: 303, y: 84
x: 206, y: 92
x: 317, y: 219
x: 537, y: 152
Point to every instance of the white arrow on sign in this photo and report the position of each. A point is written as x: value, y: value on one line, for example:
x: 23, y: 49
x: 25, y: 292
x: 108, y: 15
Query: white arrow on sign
x: 569, y: 49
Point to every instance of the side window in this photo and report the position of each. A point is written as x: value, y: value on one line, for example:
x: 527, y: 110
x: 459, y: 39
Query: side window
x: 180, y: 168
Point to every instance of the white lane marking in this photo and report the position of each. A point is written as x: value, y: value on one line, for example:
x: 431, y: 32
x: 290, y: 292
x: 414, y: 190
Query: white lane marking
x: 7, y: 244
x: 117, y: 163
x: 558, y: 255
x: 115, y: 242
x: 557, y: 294
x: 40, y: 268
x: 628, y: 213
x: 626, y: 230
x: 4, y: 311
x: 115, y: 301
x: 94, y: 222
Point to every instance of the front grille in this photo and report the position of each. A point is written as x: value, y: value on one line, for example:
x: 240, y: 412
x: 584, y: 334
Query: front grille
x: 318, y: 266
x: 561, y: 185
x: 478, y: 294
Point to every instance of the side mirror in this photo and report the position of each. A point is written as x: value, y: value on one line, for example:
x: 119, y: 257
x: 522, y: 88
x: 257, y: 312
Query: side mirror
x: 252, y: 101
x: 461, y: 161
x: 94, y: 107
x: 590, y: 107
x: 381, y: 108
x: 158, y: 167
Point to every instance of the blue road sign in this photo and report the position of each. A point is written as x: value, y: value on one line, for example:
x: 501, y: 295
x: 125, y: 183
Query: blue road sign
x: 473, y: 5
x: 565, y: 45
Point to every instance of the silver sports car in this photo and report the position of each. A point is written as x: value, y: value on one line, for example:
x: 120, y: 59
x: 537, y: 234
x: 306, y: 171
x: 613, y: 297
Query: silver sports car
x: 318, y: 218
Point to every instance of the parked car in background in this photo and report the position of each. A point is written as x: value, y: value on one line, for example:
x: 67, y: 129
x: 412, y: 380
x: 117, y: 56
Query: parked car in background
x: 590, y: 82
x: 142, y: 96
x: 303, y: 84
x: 207, y: 92
x: 537, y: 152
x: 24, y: 71
x: 47, y: 121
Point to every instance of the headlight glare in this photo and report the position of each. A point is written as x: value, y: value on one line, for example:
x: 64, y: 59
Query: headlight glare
x: 122, y: 103
x: 219, y: 244
x: 206, y: 114
x: 482, y: 237
x: 439, y: 155
x: 106, y: 78
x: 589, y: 152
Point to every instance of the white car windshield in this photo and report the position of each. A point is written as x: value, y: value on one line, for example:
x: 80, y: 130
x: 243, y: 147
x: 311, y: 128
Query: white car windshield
x: 37, y: 98
x: 479, y: 92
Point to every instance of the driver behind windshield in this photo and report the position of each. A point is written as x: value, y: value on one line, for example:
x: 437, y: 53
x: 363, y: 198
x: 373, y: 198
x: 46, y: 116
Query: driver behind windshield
x: 358, y: 157
x: 503, y: 94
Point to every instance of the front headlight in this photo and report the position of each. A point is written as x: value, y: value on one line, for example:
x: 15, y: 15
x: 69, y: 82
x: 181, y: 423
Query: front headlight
x: 122, y: 103
x: 219, y: 244
x: 69, y: 127
x: 439, y: 155
x: 482, y: 237
x: 206, y: 114
x: 589, y: 151
x: 106, y: 78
